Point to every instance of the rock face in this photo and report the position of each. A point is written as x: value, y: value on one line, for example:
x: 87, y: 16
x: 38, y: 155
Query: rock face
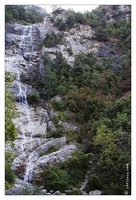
x: 77, y: 38
x: 23, y: 57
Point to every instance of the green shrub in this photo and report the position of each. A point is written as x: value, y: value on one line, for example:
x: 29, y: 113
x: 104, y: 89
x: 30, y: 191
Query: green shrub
x: 9, y: 174
x: 33, y: 97
x: 71, y: 135
x: 55, y: 179
x: 57, y: 133
x: 60, y: 24
x: 7, y: 185
x: 101, y: 34
x: 62, y: 90
x: 27, y: 190
x: 58, y: 104
x: 52, y: 39
x: 69, y: 50
x: 93, y: 183
x: 76, y: 166
x: 55, y: 119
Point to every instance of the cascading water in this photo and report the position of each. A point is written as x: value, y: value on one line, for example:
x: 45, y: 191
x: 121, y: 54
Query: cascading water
x: 25, y: 45
x: 23, y: 57
x: 26, y: 40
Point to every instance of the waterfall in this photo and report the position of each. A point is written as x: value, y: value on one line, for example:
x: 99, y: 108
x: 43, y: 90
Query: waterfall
x: 29, y: 169
x: 25, y: 45
x: 26, y: 40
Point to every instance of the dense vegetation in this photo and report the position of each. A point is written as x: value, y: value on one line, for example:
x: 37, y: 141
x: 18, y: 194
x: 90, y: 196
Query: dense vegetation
x: 10, y: 113
x: 10, y: 131
x: 18, y: 13
x: 96, y: 97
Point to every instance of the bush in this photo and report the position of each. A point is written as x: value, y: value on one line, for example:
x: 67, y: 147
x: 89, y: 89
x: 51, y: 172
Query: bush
x: 9, y: 174
x: 93, y: 183
x: 52, y: 39
x: 60, y: 24
x: 69, y: 50
x: 57, y: 133
x: 62, y: 90
x: 33, y: 97
x: 27, y: 190
x: 58, y: 105
x: 55, y: 179
x: 101, y: 34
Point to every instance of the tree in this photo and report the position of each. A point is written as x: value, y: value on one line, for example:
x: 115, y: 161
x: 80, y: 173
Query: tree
x: 101, y: 34
x: 108, y: 153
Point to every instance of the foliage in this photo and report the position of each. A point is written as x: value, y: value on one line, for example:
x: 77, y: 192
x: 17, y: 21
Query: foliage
x: 68, y: 174
x: 10, y: 112
x: 95, y: 95
x: 27, y: 190
x: 58, y: 132
x: 51, y: 39
x: 58, y: 105
x: 33, y: 98
x: 60, y: 24
x: 69, y: 50
x: 57, y: 10
x: 101, y: 34
x: 18, y: 13
x: 55, y: 179
x: 9, y: 174
x: 93, y: 183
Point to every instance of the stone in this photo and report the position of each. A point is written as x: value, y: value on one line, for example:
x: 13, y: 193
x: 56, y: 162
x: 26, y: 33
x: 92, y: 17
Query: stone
x: 95, y: 192
x: 57, y: 193
x: 44, y: 191
x: 13, y: 191
x: 57, y: 142
x: 52, y: 191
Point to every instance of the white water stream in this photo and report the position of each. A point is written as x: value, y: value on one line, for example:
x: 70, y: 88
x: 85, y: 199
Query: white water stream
x: 26, y: 45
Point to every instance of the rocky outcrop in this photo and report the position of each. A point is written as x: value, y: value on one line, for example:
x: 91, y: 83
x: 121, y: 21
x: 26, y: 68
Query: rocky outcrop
x: 51, y: 159
x: 23, y: 57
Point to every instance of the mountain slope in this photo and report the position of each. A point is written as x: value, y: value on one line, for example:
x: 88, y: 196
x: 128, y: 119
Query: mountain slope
x: 72, y: 87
